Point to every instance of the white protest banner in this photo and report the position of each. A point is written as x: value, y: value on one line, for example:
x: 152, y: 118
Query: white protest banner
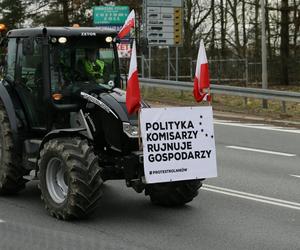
x: 178, y: 143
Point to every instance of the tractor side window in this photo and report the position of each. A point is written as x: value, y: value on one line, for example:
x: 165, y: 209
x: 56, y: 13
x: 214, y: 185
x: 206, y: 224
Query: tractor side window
x: 30, y: 65
x: 61, y: 68
x: 11, y: 59
x: 29, y: 79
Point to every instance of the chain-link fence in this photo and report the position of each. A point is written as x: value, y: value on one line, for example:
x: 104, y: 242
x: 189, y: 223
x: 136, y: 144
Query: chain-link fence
x: 228, y: 70
x: 223, y: 71
x: 274, y: 72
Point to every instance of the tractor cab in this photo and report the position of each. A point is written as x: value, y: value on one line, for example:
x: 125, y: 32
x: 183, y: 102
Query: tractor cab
x: 50, y: 67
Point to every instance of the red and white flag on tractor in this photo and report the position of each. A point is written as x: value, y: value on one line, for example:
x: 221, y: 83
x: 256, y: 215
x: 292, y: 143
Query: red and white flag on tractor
x: 133, y: 96
x: 201, y: 80
x: 128, y: 25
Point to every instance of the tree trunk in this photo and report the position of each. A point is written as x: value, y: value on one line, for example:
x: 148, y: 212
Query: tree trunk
x: 297, y: 26
x: 234, y: 13
x: 213, y: 30
x: 256, y: 32
x: 223, y: 29
x: 187, y: 28
x: 284, y: 45
x: 65, y: 6
x: 268, y: 31
x: 244, y: 29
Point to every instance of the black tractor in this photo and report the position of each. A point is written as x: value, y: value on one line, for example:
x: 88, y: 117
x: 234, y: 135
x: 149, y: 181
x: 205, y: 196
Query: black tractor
x: 68, y: 128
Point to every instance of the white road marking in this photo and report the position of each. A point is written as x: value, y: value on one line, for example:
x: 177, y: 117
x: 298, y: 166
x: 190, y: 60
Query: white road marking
x: 257, y: 126
x: 261, y: 151
x: 2, y: 221
x: 253, y: 197
x: 293, y: 175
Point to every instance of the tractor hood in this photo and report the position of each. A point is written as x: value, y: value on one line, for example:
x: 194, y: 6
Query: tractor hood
x: 113, y: 102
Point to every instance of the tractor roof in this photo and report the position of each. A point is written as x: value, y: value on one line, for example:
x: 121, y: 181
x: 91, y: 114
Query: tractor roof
x: 61, y: 31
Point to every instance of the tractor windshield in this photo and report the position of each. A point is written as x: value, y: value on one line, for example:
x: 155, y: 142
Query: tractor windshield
x: 76, y: 62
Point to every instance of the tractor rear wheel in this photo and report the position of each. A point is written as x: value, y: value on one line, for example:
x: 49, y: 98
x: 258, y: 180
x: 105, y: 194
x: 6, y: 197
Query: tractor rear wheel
x: 173, y: 193
x: 70, y: 180
x: 11, y: 171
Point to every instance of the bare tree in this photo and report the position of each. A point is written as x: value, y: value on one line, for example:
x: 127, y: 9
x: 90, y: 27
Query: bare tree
x: 213, y: 30
x: 244, y: 29
x: 195, y: 15
x: 223, y: 21
x: 296, y: 22
x: 233, y: 11
x: 284, y: 44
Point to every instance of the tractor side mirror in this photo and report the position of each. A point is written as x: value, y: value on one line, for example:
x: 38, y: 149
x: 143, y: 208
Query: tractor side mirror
x: 3, y: 42
x: 3, y: 46
x: 144, y: 46
x: 28, y: 46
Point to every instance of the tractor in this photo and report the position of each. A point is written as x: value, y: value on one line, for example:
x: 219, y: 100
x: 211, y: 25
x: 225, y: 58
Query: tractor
x: 69, y: 131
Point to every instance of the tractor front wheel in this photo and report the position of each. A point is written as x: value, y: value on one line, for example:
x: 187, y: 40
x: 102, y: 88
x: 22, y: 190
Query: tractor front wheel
x: 70, y: 180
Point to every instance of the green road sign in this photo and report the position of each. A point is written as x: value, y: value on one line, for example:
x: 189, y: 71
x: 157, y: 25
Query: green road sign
x: 110, y: 15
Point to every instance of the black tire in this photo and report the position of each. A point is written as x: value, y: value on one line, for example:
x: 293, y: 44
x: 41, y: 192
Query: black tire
x: 80, y: 173
x: 173, y: 193
x: 11, y: 171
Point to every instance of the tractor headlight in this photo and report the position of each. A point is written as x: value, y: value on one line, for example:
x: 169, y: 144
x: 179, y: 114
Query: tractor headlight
x: 130, y: 130
x: 108, y: 39
x: 62, y: 39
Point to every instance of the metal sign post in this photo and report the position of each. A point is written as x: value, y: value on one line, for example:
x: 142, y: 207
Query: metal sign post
x: 149, y: 73
x: 264, y: 51
x: 177, y: 68
x: 168, y: 63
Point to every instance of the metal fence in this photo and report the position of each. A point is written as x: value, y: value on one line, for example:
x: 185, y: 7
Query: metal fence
x: 222, y: 71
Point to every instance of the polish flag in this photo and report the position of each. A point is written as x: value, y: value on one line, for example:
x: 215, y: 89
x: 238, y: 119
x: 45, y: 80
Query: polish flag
x: 129, y: 23
x: 201, y: 80
x: 133, y: 96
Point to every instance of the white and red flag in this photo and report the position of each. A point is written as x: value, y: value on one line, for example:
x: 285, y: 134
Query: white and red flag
x: 128, y: 25
x: 201, y: 80
x: 133, y: 96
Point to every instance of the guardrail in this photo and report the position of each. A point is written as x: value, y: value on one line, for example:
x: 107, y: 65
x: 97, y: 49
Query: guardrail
x: 283, y: 96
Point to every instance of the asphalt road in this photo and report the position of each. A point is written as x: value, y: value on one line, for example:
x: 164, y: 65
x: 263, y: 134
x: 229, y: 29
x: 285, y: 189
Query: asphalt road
x: 253, y: 204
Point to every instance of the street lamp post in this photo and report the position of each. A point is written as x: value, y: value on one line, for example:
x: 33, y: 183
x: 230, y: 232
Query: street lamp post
x: 264, y: 51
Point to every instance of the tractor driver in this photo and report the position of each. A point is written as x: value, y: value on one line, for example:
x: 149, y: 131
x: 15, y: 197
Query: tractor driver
x: 93, y: 67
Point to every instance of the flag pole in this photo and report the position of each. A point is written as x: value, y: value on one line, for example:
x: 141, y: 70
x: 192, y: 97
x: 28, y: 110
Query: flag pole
x: 139, y: 130
x: 210, y: 98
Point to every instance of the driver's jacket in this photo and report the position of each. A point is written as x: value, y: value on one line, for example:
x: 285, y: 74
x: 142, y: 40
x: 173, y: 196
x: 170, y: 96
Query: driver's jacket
x: 94, y: 68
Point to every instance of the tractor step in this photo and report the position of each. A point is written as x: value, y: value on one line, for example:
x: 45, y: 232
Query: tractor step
x: 32, y: 176
x: 32, y: 160
x: 32, y: 149
x: 35, y: 141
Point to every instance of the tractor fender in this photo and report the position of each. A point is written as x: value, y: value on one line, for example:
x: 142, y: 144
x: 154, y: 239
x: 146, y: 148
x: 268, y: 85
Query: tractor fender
x: 69, y: 132
x: 10, y: 109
